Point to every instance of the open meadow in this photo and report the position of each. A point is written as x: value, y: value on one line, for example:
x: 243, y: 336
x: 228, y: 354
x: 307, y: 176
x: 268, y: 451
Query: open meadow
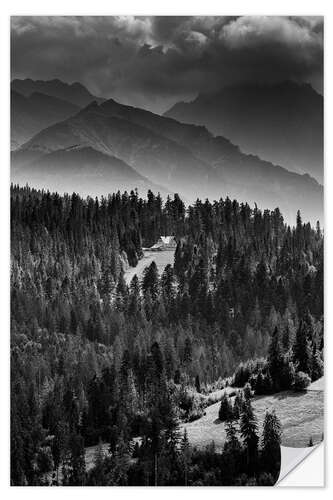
x: 301, y: 415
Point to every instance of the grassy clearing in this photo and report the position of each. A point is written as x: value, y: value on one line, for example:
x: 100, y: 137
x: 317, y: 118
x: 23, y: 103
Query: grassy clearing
x: 162, y: 259
x: 301, y: 415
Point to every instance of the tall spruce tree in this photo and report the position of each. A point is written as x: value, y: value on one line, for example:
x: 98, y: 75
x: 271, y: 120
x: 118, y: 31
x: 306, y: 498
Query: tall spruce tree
x: 301, y: 350
x: 271, y: 440
x: 226, y: 409
x: 275, y: 359
x: 150, y: 282
x: 249, y: 432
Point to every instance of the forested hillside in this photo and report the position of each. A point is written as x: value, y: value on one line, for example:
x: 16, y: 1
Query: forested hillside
x: 93, y: 359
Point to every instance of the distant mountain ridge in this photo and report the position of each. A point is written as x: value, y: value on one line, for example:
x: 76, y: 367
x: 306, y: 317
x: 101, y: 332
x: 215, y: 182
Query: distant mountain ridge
x: 181, y: 158
x: 75, y: 92
x: 281, y: 123
x: 31, y: 114
x: 77, y: 168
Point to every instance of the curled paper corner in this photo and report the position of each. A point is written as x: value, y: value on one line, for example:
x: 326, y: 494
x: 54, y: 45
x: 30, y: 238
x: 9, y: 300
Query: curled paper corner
x: 292, y: 458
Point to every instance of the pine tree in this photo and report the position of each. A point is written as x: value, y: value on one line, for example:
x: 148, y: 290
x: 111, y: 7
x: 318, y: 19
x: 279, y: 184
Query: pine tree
x: 301, y: 351
x: 186, y: 456
x: 150, y: 282
x: 271, y: 440
x: 260, y: 384
x: 249, y: 433
x: 232, y: 442
x: 317, y: 366
x: 121, y: 293
x: 247, y: 391
x: 225, y: 410
x: 232, y: 450
x: 238, y: 404
x: 275, y: 359
x: 167, y: 283
x: 134, y: 296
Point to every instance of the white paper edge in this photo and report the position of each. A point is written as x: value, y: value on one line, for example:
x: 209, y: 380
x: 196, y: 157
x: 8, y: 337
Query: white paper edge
x: 302, y: 467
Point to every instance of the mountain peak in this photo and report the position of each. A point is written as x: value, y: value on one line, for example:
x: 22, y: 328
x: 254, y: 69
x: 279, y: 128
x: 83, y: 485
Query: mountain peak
x: 78, y: 85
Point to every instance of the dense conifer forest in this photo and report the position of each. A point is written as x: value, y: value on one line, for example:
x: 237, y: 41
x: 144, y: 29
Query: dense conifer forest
x: 94, y: 360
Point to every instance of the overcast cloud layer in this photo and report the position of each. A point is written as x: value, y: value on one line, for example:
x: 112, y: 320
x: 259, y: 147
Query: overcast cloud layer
x: 155, y: 61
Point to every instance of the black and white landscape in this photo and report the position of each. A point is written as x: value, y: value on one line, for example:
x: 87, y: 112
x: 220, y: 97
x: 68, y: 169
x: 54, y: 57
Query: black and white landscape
x: 166, y: 248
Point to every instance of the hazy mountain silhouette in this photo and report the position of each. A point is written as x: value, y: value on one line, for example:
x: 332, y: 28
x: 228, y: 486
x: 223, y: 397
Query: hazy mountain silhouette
x: 31, y: 114
x: 183, y: 158
x: 75, y: 92
x: 281, y: 123
x: 80, y: 169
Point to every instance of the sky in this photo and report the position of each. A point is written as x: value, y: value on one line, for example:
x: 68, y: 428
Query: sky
x: 154, y: 62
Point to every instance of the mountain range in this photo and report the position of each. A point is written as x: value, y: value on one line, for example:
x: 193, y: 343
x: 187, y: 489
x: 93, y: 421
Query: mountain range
x: 38, y: 104
x: 108, y: 146
x: 82, y: 169
x: 75, y: 92
x: 30, y: 114
x: 281, y: 123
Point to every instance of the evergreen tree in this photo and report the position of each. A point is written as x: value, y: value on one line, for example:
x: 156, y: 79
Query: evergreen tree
x: 249, y: 433
x: 275, y: 359
x: 301, y: 351
x: 232, y: 450
x: 167, y: 283
x: 150, y: 281
x: 238, y: 404
x: 247, y: 392
x: 226, y: 409
x: 271, y: 440
x: 186, y: 456
x: 317, y: 366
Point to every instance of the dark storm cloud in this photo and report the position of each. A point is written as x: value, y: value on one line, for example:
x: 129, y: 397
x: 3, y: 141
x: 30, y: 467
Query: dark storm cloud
x: 155, y: 61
